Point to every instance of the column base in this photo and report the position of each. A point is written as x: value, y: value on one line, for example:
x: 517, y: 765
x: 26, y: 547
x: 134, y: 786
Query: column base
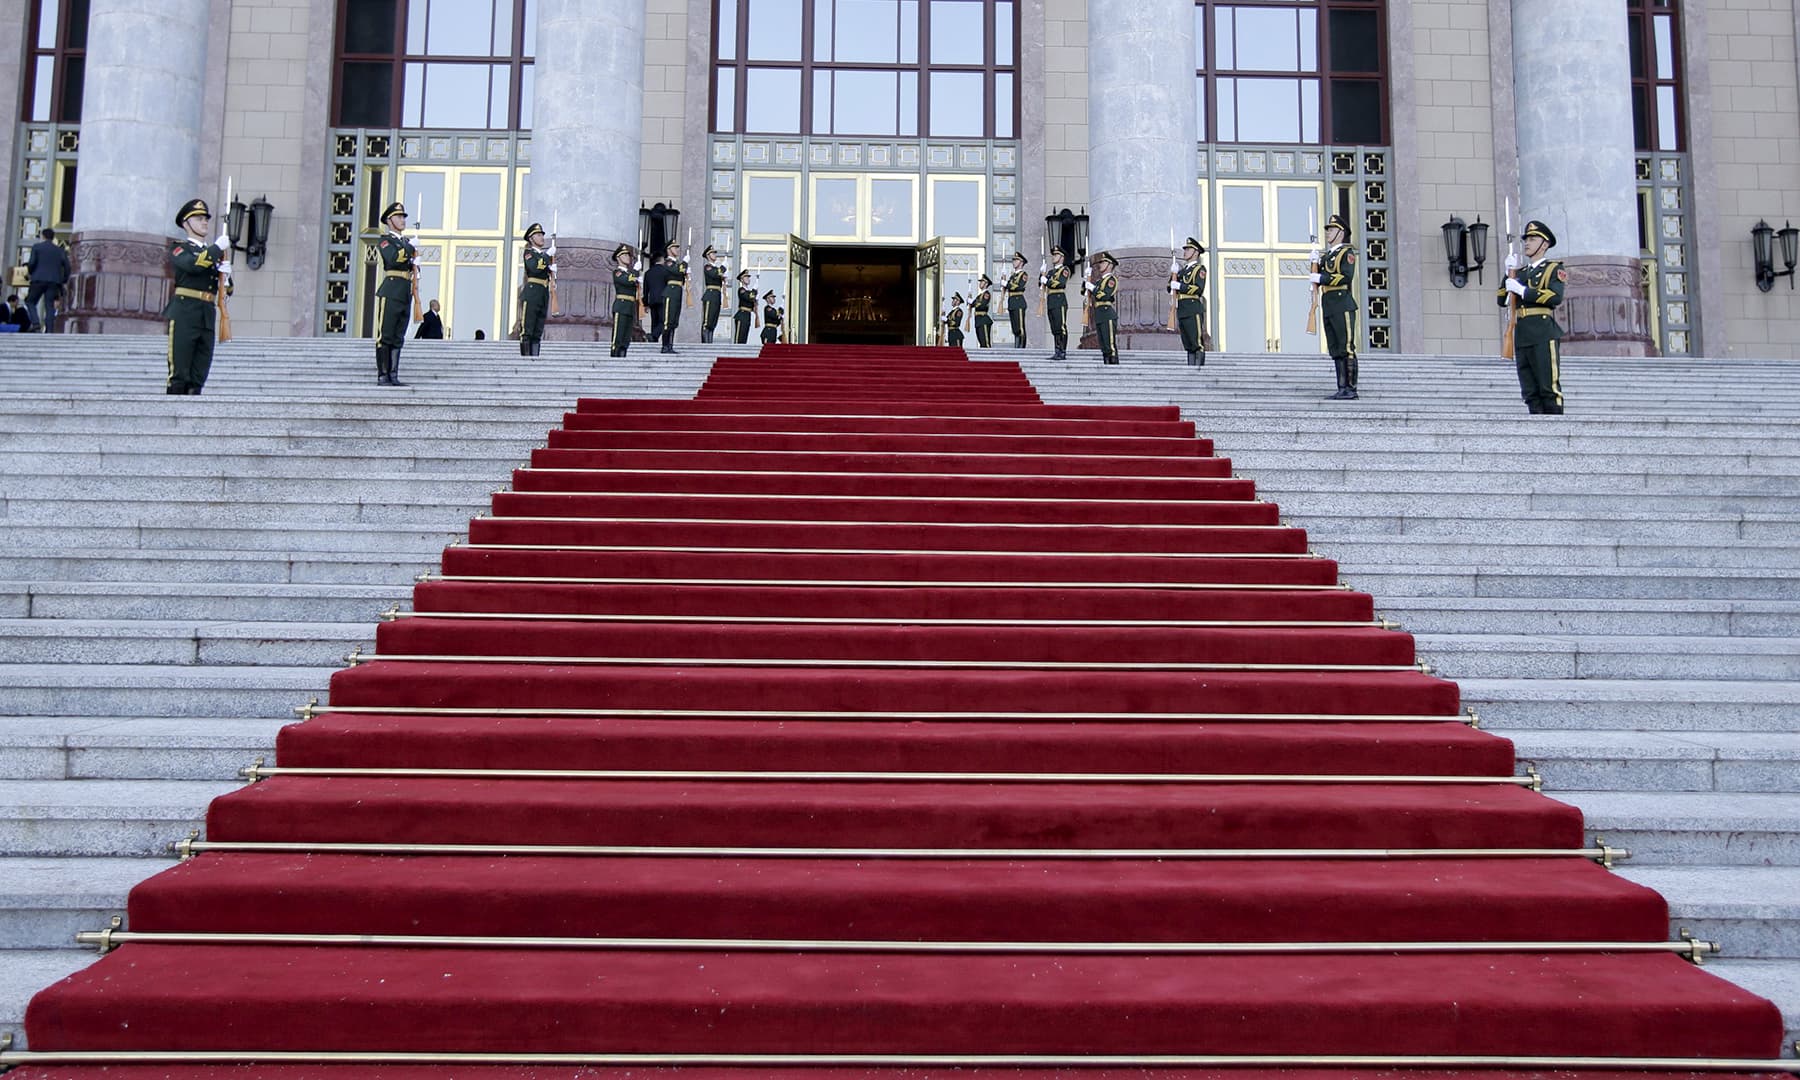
x: 120, y: 285
x: 1143, y: 302
x: 1604, y: 310
x: 584, y: 292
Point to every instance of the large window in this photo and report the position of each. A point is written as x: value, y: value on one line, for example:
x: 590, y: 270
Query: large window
x: 898, y: 68
x: 456, y: 64
x: 1656, y: 113
x: 1291, y: 71
x: 56, y: 62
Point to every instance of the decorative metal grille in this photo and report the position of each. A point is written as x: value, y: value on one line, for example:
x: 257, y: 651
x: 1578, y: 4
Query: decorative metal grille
x: 44, y: 151
x: 1668, y: 267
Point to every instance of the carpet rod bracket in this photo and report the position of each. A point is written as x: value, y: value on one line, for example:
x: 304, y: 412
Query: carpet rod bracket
x: 254, y: 771
x: 308, y: 710
x: 1537, y: 779
x: 354, y: 658
x: 391, y: 613
x: 183, y: 849
x: 1474, y: 717
x: 426, y: 576
x: 1697, y: 950
x: 1608, y: 853
x: 101, y: 939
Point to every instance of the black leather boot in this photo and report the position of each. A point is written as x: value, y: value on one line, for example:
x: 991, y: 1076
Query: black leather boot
x: 394, y: 368
x: 1350, y: 380
x: 1343, y: 378
x: 382, y: 353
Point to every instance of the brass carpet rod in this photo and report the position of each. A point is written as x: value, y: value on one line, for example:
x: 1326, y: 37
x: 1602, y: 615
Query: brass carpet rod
x: 892, y: 498
x: 885, y: 551
x: 259, y: 771
x: 357, y: 658
x: 885, y: 583
x: 800, y: 620
x: 577, y: 470
x: 1690, y: 948
x: 192, y: 845
x: 1202, y: 526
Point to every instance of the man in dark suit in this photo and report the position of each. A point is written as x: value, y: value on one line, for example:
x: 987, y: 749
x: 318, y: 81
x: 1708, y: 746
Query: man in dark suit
x: 431, y: 327
x: 49, y: 269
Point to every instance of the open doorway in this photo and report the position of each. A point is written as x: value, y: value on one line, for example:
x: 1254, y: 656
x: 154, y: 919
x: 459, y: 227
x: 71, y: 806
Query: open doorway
x: 863, y: 296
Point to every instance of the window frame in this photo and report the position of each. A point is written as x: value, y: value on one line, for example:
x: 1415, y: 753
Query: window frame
x: 1208, y: 73
x: 516, y: 61
x: 1641, y: 16
x: 59, y: 55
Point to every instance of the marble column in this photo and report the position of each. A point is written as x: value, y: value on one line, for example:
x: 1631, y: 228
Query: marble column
x: 147, y: 62
x: 1572, y: 100
x: 586, y: 149
x: 1141, y: 152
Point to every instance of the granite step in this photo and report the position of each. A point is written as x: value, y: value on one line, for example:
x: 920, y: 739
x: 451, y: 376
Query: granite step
x: 179, y: 642
x: 201, y: 600
x: 1659, y: 705
x: 1617, y: 656
x: 1722, y: 761
x: 130, y: 747
x: 109, y: 818
x: 142, y: 689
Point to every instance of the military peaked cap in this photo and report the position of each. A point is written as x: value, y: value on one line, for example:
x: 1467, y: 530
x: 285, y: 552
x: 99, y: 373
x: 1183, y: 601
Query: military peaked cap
x: 709, y: 252
x: 956, y: 298
x: 622, y: 249
x: 985, y: 278
x: 395, y: 207
x: 192, y: 208
x: 1538, y: 228
x: 1105, y: 257
x: 1336, y: 221
x: 1195, y: 244
x: 533, y: 229
x: 1018, y: 256
x: 744, y: 273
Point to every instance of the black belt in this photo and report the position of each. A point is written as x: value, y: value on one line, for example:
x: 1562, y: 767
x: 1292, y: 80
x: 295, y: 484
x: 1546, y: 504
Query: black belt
x: 539, y: 280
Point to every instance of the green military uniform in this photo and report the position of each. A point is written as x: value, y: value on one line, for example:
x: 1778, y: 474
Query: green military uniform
x: 711, y: 297
x: 535, y: 295
x: 984, y: 323
x: 953, y: 323
x: 625, y: 301
x: 192, y: 310
x: 1056, y: 304
x: 1337, y: 307
x: 393, y: 297
x: 771, y: 330
x: 746, y: 309
x: 665, y: 287
x: 1537, y: 333
x: 1015, y: 300
x: 1190, y: 306
x: 1106, y: 310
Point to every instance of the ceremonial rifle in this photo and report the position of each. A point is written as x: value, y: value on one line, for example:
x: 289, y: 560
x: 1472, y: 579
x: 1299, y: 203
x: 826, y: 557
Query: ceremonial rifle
x: 1173, y: 293
x: 1312, y: 305
x: 1513, y: 299
x: 1043, y: 273
x: 418, y: 313
x: 225, y: 280
x: 555, y: 219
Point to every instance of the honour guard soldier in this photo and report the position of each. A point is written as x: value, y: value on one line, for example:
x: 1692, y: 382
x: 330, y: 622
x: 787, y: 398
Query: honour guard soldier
x: 953, y: 322
x: 626, y: 283
x: 1337, y: 303
x: 713, y: 296
x: 1056, y: 304
x: 1539, y: 287
x: 1015, y: 299
x: 399, y: 284
x: 746, y: 307
x: 536, y: 291
x: 201, y: 269
x: 1105, y: 292
x: 771, y: 315
x: 663, y: 289
x: 984, y: 323
x: 1189, y: 287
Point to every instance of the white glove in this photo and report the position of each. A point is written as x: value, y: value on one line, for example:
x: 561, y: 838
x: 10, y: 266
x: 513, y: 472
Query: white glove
x: 1316, y: 255
x: 223, y: 243
x: 1044, y: 280
x: 1087, y: 287
x: 1516, y: 287
x: 225, y: 268
x: 553, y: 266
x: 1174, y: 286
x: 551, y: 251
x: 1318, y: 279
x: 1512, y: 262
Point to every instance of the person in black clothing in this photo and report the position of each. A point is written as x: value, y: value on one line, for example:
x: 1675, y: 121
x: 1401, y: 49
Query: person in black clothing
x: 201, y: 270
x: 771, y: 332
x: 984, y: 322
x: 534, y: 291
x: 431, y: 327
x: 663, y: 291
x: 16, y: 315
x: 626, y: 283
x: 48, y: 266
x: 746, y: 307
x: 953, y: 322
x: 713, y: 296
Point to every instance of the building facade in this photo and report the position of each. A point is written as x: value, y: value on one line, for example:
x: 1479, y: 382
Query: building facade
x: 866, y: 158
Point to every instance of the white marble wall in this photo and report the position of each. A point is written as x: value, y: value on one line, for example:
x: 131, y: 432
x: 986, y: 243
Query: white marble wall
x: 1141, y: 125
x: 587, y: 136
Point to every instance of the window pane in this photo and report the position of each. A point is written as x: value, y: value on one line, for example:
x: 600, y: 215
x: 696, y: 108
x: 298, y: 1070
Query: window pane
x: 834, y: 207
x: 956, y: 104
x: 369, y: 27
x: 1227, y: 59
x: 423, y: 193
x: 1665, y: 119
x: 725, y: 118
x: 957, y: 34
x: 366, y: 95
x: 891, y: 207
x: 42, y: 87
x: 772, y: 100
x: 1665, y: 47
x: 417, y: 13
x: 1242, y: 217
x: 74, y: 72
x: 1246, y: 326
x: 956, y: 208
x: 49, y: 14
x: 1227, y: 109
x: 909, y: 31
x: 770, y: 204
x: 1640, y: 118
x: 1309, y: 41
x: 1356, y: 112
x: 527, y: 90
x: 1200, y: 107
x: 478, y: 201
x: 727, y: 29
x: 821, y: 103
x: 822, y: 30
x: 1355, y: 41
x: 1267, y: 39
x: 412, y: 100
x: 867, y: 103
x: 460, y: 28
x: 1268, y: 110
x: 530, y: 28
x: 456, y: 95
x: 1291, y: 220
x: 1635, y: 36
x: 503, y: 28
x: 1200, y: 38
x: 868, y: 31
x: 75, y: 33
x: 1309, y: 110
x: 774, y: 27
x: 1003, y: 33
x: 909, y: 103
x: 1003, y: 105
x: 474, y: 299
x: 524, y: 178
x: 500, y: 98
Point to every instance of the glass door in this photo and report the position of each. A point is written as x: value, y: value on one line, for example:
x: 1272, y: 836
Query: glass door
x: 1265, y: 228
x: 799, y: 292
x: 928, y: 261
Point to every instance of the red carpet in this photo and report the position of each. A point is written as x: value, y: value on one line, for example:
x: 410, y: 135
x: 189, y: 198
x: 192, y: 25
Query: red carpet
x: 1029, y: 674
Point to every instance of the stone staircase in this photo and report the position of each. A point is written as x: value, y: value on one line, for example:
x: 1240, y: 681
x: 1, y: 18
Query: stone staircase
x: 1617, y: 589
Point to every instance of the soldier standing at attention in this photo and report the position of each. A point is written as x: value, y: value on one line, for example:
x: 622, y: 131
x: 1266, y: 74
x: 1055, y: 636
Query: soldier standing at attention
x: 1015, y: 299
x: 1189, y: 286
x: 399, y: 274
x: 663, y: 288
x: 953, y: 322
x: 1056, y: 304
x: 746, y: 307
x: 1337, y: 303
x: 1105, y: 291
x: 984, y: 324
x: 714, y: 294
x: 625, y: 297
x: 1539, y: 287
x: 771, y: 332
x: 536, y: 291
x: 193, y: 309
